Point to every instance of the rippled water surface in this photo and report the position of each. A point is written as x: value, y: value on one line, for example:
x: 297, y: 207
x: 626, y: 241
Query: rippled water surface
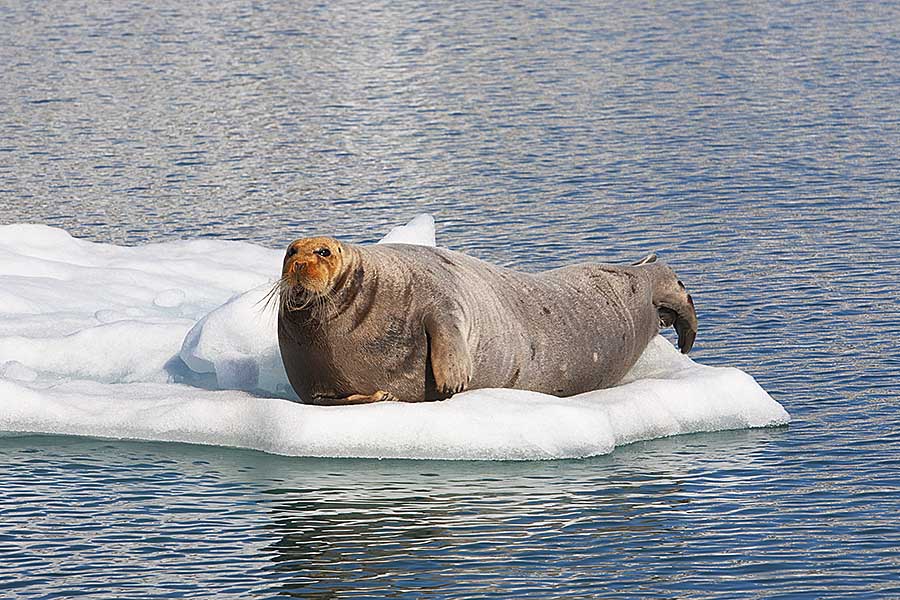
x: 755, y: 146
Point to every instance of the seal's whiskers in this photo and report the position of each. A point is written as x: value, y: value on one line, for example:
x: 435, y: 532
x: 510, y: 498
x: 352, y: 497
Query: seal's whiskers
x: 272, y: 297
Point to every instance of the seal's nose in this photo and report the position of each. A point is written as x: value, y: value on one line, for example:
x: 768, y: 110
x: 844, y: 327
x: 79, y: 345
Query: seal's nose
x: 297, y: 267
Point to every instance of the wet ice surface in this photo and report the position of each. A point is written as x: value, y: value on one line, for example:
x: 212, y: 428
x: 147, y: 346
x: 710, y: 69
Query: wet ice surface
x: 128, y: 343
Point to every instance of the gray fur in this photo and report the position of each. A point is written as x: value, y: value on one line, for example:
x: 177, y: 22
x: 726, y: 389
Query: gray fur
x: 414, y: 323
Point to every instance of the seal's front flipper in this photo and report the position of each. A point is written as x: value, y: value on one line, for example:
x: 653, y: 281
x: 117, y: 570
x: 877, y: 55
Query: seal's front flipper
x: 448, y: 354
x: 379, y: 396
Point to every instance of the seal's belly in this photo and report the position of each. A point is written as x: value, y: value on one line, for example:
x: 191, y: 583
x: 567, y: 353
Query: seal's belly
x: 388, y: 355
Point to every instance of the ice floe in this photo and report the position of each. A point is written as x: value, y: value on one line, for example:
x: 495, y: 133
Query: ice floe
x: 173, y: 342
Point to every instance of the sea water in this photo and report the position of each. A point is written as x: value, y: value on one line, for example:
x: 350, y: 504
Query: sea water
x: 168, y: 154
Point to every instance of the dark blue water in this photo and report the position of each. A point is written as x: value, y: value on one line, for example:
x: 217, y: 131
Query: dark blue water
x: 755, y: 146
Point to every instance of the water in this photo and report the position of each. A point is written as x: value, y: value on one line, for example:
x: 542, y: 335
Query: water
x: 754, y: 146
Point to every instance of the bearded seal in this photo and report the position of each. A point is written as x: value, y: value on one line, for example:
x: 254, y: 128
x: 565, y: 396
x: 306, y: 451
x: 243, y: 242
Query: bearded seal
x: 360, y: 324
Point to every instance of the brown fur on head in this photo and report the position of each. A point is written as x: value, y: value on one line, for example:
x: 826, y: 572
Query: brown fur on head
x: 309, y: 273
x: 314, y: 264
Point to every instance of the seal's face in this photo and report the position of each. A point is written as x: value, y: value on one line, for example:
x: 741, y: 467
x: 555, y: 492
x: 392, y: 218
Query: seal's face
x: 313, y: 264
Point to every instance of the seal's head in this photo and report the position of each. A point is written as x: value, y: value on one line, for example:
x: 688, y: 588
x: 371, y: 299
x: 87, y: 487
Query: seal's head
x: 311, y: 269
x: 314, y: 264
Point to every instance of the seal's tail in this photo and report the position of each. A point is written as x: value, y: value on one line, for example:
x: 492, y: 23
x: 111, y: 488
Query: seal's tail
x: 675, y: 307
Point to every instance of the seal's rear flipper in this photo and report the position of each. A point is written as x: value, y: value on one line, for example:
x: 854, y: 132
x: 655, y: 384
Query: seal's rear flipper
x: 650, y: 258
x: 675, y: 307
x: 686, y: 326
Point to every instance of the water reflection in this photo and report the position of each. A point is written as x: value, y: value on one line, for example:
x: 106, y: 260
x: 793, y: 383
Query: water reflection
x: 728, y: 511
x: 354, y: 528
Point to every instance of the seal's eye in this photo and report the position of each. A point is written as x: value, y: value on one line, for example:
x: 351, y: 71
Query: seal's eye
x: 323, y: 252
x: 292, y: 251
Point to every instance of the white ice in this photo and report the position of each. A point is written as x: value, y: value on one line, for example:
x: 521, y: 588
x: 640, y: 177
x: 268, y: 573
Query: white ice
x: 173, y: 342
